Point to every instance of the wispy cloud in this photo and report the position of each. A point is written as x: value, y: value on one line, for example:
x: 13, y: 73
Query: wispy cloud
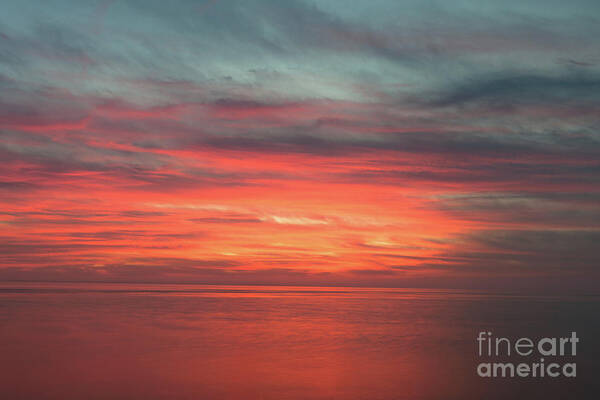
x: 299, y: 142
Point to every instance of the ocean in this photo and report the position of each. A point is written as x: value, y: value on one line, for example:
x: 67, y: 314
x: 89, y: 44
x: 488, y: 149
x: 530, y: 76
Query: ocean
x: 139, y: 341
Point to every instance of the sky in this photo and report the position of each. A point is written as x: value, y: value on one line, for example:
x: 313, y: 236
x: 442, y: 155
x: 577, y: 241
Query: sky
x: 376, y: 143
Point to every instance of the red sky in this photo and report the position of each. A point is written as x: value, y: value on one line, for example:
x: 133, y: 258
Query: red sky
x: 327, y: 153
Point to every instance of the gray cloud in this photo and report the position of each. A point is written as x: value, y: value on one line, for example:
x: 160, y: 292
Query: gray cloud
x: 508, y: 90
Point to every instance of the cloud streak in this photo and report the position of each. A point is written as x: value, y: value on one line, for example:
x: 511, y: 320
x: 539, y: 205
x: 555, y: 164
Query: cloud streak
x: 299, y: 142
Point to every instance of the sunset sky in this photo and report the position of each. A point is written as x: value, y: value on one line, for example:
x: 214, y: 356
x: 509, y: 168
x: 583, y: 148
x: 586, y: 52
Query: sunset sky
x: 387, y: 143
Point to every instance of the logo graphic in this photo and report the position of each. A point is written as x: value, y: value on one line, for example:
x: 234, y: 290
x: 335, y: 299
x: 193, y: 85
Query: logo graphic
x: 501, y: 347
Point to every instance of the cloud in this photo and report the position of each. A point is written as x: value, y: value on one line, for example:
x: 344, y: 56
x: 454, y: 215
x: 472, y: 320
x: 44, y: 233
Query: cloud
x: 226, y: 220
x: 373, y: 272
x: 512, y: 89
x: 295, y: 220
x: 576, y: 209
x: 291, y: 142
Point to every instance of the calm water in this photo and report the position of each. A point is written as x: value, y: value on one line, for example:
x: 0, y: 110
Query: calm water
x: 123, y: 341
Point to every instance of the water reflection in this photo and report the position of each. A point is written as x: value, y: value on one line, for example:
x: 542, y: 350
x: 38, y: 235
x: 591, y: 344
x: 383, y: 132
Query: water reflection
x: 118, y: 341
